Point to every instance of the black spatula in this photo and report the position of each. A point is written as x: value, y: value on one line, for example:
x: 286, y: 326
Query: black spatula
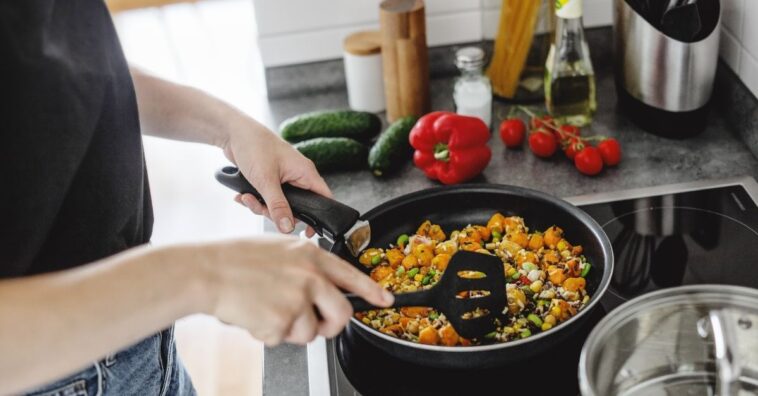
x: 443, y: 296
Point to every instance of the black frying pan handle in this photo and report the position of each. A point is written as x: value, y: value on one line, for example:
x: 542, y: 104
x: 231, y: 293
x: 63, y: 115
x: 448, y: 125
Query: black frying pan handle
x: 327, y: 217
x: 412, y: 299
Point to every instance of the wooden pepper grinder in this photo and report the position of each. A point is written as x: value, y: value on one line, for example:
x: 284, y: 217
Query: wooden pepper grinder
x: 405, y: 58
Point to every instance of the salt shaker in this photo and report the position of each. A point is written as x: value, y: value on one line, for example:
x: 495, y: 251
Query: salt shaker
x: 363, y: 71
x: 473, y: 91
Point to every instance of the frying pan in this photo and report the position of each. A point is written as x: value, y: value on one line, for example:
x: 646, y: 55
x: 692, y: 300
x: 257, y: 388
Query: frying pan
x: 452, y: 207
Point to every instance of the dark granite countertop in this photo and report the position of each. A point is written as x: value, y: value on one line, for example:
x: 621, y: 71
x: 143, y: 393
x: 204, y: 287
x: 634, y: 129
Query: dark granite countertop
x: 648, y: 160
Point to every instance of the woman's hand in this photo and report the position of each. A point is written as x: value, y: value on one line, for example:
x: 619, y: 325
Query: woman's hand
x: 272, y: 286
x: 267, y: 161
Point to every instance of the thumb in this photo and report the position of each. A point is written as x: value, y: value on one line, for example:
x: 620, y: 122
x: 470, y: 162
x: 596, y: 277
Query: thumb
x: 277, y: 205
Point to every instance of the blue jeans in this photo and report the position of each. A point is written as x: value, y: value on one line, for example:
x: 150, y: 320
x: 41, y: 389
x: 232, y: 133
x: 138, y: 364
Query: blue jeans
x: 150, y: 367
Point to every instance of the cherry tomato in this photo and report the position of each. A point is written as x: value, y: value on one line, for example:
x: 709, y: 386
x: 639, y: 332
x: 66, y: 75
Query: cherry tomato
x: 610, y: 150
x: 572, y: 147
x: 512, y: 132
x: 566, y: 132
x: 542, y: 143
x: 589, y: 161
x: 541, y: 122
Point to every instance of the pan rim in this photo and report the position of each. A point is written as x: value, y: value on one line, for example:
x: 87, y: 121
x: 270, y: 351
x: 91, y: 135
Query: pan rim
x: 582, y: 216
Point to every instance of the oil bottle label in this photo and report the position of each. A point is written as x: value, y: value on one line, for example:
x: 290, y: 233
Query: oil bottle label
x: 568, y: 9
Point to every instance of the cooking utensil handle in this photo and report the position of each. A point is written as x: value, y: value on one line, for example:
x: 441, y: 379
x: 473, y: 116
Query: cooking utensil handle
x: 412, y: 299
x: 728, y: 365
x: 328, y: 217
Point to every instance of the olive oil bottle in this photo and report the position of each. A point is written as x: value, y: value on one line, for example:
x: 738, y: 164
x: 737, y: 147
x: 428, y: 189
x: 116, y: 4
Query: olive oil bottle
x: 569, y: 77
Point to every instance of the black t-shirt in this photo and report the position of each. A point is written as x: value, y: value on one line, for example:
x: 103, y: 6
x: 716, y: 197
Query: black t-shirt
x: 73, y: 187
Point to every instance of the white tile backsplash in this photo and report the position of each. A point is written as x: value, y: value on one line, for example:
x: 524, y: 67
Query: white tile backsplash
x: 749, y: 36
x: 749, y: 71
x: 732, y: 16
x: 730, y: 49
x: 299, y: 31
x: 738, y: 46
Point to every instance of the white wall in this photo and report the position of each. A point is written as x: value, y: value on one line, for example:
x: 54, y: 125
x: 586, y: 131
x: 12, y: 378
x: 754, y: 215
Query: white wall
x: 298, y: 31
x: 739, y: 39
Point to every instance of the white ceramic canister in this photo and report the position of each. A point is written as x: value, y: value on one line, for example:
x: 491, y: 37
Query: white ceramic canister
x: 363, y: 71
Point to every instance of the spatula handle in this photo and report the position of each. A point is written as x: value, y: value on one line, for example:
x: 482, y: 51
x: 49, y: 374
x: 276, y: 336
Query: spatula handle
x: 412, y: 299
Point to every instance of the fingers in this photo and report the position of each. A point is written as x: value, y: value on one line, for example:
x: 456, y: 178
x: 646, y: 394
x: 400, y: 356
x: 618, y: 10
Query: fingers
x: 251, y: 203
x: 351, y: 279
x: 304, y: 329
x: 310, y: 179
x: 334, y: 308
x: 276, y: 204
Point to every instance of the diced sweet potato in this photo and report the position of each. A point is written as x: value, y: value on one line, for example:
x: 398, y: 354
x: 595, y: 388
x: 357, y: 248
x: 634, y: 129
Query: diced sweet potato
x: 519, y: 238
x: 423, y: 229
x: 553, y: 235
x: 428, y: 336
x: 381, y: 272
x: 448, y: 336
x: 440, y: 261
x: 415, y: 312
x: 555, y: 275
x: 574, y: 284
x: 395, y: 257
x: 496, y: 223
x: 436, y: 233
x: 394, y: 329
x: 535, y: 242
x: 409, y: 262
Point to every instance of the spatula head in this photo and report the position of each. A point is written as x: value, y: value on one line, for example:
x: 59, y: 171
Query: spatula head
x: 480, y: 278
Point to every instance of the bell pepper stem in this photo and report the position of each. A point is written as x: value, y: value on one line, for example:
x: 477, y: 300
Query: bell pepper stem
x: 441, y: 152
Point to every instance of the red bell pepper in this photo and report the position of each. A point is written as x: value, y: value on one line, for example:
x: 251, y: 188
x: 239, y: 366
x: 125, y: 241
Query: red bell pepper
x: 449, y: 147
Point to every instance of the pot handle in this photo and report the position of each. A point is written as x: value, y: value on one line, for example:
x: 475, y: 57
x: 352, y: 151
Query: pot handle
x: 721, y: 325
x: 329, y: 218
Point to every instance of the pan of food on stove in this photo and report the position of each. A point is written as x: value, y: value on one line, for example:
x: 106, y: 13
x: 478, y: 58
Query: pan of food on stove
x: 555, y: 262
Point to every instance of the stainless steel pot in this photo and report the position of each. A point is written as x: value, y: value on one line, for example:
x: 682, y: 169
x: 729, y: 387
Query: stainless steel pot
x: 690, y: 340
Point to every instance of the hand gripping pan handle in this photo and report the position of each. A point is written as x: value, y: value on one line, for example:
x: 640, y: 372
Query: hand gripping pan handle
x: 328, y: 217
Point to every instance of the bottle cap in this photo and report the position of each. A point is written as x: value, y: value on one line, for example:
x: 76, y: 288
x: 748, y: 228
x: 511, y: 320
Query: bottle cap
x: 469, y: 58
x: 568, y: 9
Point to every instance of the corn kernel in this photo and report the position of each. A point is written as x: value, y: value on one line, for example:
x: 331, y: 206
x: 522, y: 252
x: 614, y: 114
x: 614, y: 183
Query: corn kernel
x: 510, y: 271
x: 536, y: 286
x: 555, y: 311
x: 549, y: 319
x: 418, y: 277
x: 546, y: 326
x: 366, y: 320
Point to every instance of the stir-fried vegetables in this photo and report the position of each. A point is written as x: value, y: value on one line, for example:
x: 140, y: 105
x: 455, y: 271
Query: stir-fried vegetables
x: 545, y: 277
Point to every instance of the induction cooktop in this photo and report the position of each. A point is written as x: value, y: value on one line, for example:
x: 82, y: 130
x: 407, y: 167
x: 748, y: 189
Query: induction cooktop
x: 694, y: 233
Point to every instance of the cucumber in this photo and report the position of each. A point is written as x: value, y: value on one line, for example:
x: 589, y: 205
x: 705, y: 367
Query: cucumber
x: 392, y: 148
x: 357, y: 125
x: 337, y: 153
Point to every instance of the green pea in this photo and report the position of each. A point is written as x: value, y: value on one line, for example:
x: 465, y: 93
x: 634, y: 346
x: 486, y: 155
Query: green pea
x: 491, y: 335
x: 432, y: 271
x: 400, y: 270
x: 516, y: 275
x: 412, y: 272
x: 535, y: 319
x: 434, y: 315
x: 496, y: 235
x: 426, y: 280
x: 376, y: 259
x: 525, y: 333
x: 586, y: 270
x: 402, y: 240
x: 529, y: 266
